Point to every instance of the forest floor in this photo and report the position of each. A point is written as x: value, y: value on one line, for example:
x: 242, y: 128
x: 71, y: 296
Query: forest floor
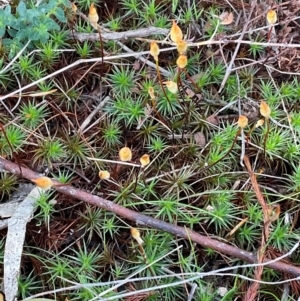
x: 150, y: 150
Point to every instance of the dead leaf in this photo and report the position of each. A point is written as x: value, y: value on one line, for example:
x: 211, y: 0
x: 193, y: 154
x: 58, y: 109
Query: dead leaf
x: 190, y: 93
x: 207, y: 26
x: 136, y: 65
x: 213, y: 119
x: 197, y: 76
x: 226, y: 18
x: 200, y: 139
x: 199, y: 96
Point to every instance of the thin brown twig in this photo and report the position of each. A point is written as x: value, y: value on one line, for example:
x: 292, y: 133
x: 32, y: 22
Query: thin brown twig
x: 147, y: 221
x: 252, y: 291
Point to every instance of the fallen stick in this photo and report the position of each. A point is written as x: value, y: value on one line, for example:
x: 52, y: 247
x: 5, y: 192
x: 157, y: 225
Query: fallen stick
x: 117, y: 36
x: 147, y: 221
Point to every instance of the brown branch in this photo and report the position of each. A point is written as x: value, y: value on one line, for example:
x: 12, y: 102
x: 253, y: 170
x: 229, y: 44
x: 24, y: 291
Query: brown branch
x: 257, y: 191
x: 252, y: 290
x: 147, y: 221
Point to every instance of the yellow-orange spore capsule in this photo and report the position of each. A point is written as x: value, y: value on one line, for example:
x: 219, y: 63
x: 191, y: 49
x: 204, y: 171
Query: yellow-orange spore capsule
x: 176, y: 33
x: 171, y: 86
x: 271, y: 17
x: 182, y: 46
x: 73, y: 7
x: 182, y: 61
x: 151, y: 92
x: 104, y: 175
x: 43, y: 182
x: 135, y: 233
x: 259, y: 123
x: 93, y: 16
x: 154, y: 50
x: 265, y: 109
x: 273, y: 213
x: 125, y: 154
x: 243, y: 121
x: 145, y: 160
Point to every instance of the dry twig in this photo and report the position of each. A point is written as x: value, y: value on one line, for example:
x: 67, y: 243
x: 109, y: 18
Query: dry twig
x: 252, y: 291
x: 147, y: 221
x: 117, y: 36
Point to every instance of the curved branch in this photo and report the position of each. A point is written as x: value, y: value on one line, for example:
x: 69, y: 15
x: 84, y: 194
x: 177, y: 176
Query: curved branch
x: 153, y: 222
